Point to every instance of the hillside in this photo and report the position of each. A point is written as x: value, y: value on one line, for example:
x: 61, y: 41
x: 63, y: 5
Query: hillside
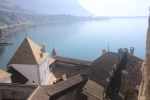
x: 53, y: 7
x: 13, y: 17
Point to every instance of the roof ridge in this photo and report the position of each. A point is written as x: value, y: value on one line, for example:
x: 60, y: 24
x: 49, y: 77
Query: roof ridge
x: 75, y: 58
x: 30, y: 41
x: 33, y: 93
x: 28, y: 53
x: 34, y: 49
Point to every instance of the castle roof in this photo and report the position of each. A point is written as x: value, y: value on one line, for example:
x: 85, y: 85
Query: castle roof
x: 28, y: 53
x: 15, y: 91
x: 58, y: 90
x: 74, y: 88
x: 93, y: 90
x: 101, y: 69
x: 53, y: 53
x: 60, y: 68
x: 102, y: 66
x: 73, y: 61
x: 4, y: 75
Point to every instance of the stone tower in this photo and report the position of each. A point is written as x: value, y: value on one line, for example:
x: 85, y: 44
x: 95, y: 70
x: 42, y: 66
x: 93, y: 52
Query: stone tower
x: 144, y: 92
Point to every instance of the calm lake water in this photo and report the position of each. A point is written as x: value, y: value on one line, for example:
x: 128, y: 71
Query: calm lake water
x: 83, y: 40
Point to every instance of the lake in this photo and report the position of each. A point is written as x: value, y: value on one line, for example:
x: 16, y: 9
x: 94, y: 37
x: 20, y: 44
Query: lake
x: 82, y: 40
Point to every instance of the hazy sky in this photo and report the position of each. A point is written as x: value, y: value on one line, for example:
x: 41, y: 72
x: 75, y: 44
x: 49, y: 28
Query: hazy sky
x: 117, y: 7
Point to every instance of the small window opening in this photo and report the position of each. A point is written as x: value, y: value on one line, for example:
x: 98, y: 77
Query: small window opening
x: 33, y: 81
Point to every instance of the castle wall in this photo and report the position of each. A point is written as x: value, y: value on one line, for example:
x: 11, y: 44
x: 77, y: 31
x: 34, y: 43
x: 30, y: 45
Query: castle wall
x: 29, y: 71
x: 44, y: 71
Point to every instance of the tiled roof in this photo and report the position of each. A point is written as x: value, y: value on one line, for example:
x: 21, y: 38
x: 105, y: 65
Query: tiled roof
x: 16, y: 76
x: 39, y: 94
x: 4, y: 75
x: 73, y: 61
x: 61, y: 86
x: 51, y: 60
x: 16, y: 91
x: 58, y: 90
x: 134, y: 76
x: 93, y: 90
x: 28, y: 53
x: 59, y: 69
x: 101, y: 67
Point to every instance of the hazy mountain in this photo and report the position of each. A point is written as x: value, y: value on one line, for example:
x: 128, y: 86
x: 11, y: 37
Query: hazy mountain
x: 53, y: 6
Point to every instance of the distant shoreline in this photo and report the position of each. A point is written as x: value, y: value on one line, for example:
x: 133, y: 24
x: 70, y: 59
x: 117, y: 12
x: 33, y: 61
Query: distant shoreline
x: 15, y: 28
x: 9, y: 30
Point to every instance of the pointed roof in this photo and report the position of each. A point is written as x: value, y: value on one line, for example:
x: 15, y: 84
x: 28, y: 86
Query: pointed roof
x: 28, y: 53
x: 4, y: 75
x: 53, y: 53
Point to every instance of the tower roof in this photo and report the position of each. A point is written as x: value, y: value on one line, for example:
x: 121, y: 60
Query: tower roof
x: 53, y: 53
x: 28, y: 53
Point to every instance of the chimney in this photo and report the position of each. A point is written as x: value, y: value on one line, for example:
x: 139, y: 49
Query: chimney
x: 103, y: 51
x: 41, y: 54
x: 44, y: 48
x: 125, y: 50
x: 132, y: 50
x: 120, y: 50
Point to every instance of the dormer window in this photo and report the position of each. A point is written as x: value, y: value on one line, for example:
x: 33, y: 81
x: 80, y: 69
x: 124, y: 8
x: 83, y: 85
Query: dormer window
x: 108, y: 79
x: 124, y: 72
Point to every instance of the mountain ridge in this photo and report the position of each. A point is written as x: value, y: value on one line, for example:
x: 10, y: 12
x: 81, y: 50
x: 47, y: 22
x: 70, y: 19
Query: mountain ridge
x: 53, y: 7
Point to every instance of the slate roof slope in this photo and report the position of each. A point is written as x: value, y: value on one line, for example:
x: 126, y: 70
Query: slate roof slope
x: 60, y: 69
x: 134, y: 77
x: 4, y: 75
x: 133, y: 68
x: 101, y: 67
x: 39, y: 94
x: 16, y: 76
x: 93, y: 90
x: 16, y: 91
x: 61, y: 86
x: 28, y: 53
x: 58, y: 90
x: 73, y: 61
